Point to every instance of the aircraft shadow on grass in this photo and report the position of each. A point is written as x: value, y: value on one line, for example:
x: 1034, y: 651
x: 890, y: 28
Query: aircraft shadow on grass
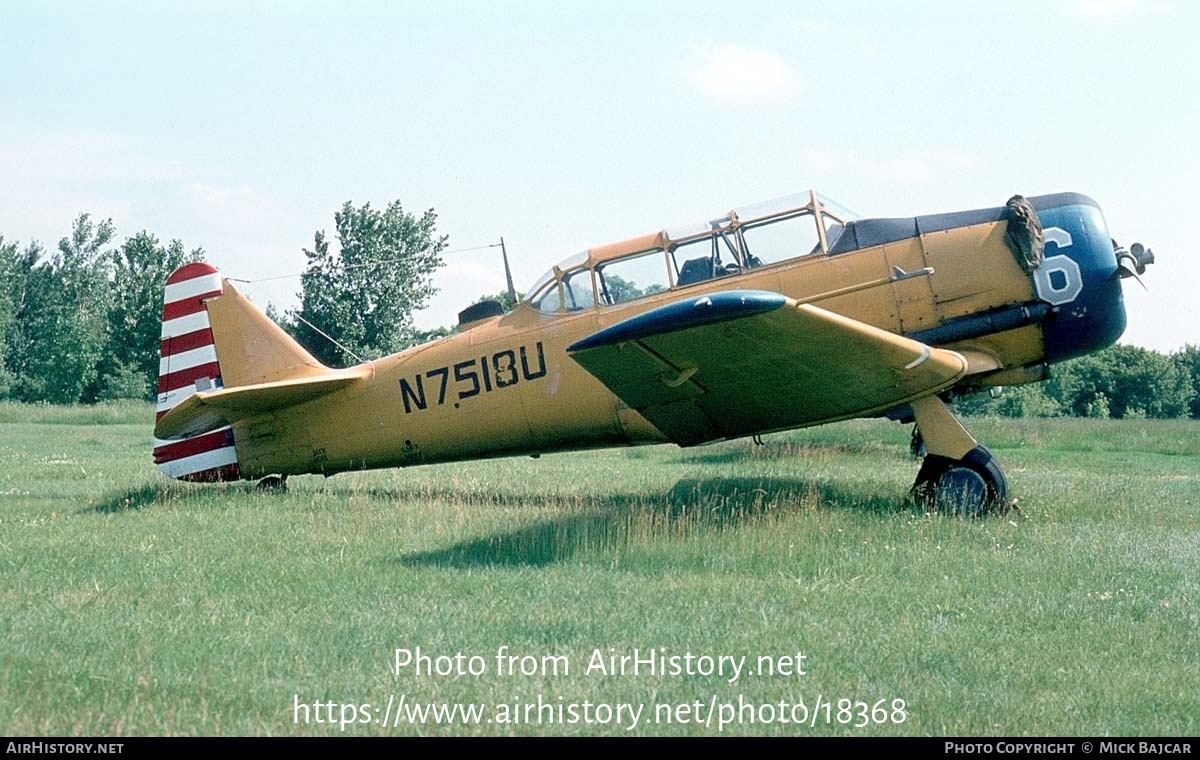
x: 610, y: 522
x: 787, y: 451
x: 597, y: 523
x: 150, y: 495
x: 129, y: 500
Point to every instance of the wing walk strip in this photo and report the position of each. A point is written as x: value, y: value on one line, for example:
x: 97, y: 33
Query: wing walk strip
x: 189, y: 362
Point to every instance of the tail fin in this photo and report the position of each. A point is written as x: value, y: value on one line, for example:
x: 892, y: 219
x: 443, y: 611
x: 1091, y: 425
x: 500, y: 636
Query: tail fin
x: 189, y: 363
x: 213, y: 338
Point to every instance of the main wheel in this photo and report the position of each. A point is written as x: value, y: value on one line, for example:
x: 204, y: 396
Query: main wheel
x: 971, y: 486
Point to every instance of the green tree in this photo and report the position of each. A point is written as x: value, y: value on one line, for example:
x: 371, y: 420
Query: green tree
x: 1188, y: 361
x: 363, y: 294
x: 425, y: 336
x: 620, y: 290
x: 283, y: 320
x: 19, y: 268
x: 59, y: 319
x: 1125, y: 381
x: 1028, y: 400
x: 502, y: 298
x: 139, y: 271
x: 10, y: 268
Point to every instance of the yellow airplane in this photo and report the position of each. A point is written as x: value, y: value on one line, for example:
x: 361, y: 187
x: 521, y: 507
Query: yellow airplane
x: 783, y: 315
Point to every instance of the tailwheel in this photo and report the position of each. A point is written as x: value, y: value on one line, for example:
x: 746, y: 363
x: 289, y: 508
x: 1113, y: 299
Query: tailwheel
x: 273, y: 484
x: 971, y: 486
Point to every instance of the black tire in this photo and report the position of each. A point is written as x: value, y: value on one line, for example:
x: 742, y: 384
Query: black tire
x: 970, y: 487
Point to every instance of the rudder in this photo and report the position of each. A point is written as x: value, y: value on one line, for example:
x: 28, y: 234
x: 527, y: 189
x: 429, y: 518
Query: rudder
x: 188, y: 363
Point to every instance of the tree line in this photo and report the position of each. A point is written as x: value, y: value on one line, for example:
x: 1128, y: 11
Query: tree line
x: 1121, y: 382
x: 82, y: 323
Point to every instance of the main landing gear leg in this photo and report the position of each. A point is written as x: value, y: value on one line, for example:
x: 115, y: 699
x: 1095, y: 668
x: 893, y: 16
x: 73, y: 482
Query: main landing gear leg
x: 959, y: 475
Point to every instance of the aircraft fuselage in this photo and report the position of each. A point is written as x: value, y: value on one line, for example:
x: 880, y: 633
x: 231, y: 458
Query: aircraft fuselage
x: 506, y: 385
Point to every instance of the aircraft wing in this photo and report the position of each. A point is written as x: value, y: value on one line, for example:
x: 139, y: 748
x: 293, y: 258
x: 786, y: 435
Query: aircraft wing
x: 208, y: 410
x: 735, y: 363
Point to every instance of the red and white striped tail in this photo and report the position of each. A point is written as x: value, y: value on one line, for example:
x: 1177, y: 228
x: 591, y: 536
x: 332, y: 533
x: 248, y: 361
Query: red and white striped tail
x: 189, y: 364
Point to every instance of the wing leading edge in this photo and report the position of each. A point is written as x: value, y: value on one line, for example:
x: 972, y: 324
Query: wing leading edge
x: 736, y: 363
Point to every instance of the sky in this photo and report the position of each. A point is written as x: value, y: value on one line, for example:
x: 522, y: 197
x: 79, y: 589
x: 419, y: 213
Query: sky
x: 241, y: 127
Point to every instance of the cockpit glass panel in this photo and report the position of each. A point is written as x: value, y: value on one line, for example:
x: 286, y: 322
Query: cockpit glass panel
x: 577, y: 290
x: 772, y: 207
x: 550, y: 299
x: 782, y: 238
x: 636, y: 276
x: 533, y: 289
x: 763, y: 233
x: 833, y: 230
x: 570, y: 263
x: 707, y: 257
x: 837, y: 209
x: 697, y: 228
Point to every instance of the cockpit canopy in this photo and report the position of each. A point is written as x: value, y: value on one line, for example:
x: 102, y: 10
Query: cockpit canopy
x: 745, y: 238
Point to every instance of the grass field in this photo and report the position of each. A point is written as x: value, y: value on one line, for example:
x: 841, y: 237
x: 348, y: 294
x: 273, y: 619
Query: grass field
x: 132, y: 605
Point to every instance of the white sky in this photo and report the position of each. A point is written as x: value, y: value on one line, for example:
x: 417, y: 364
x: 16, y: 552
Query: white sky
x: 240, y: 127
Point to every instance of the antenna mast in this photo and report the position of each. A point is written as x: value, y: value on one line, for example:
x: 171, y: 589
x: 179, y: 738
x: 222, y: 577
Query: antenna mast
x: 512, y: 292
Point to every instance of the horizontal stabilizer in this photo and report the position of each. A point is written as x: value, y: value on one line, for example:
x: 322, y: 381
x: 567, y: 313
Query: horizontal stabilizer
x: 208, y: 410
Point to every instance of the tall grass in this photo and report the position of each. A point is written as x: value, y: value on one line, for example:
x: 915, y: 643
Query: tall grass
x: 130, y: 604
x: 104, y: 413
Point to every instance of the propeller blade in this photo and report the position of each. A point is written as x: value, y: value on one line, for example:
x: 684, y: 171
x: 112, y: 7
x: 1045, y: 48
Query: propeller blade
x: 1127, y: 267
